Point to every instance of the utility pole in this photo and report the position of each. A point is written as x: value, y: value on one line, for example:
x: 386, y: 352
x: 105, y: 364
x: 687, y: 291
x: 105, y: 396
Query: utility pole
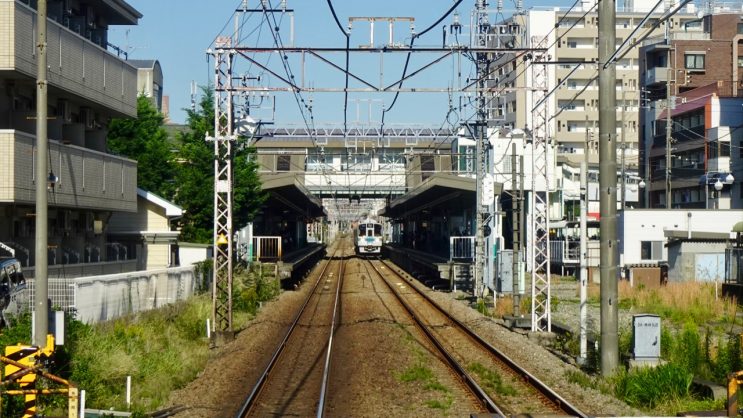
x: 516, y: 232
x: 608, y: 187
x: 669, y: 129
x: 41, y: 273
x: 624, y: 147
x: 583, y: 275
x: 583, y: 259
x: 483, y: 27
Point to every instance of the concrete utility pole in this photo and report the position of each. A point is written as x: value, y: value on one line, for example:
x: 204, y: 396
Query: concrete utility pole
x: 483, y: 27
x: 624, y: 148
x: 516, y: 230
x: 608, y: 187
x: 41, y: 274
x: 669, y: 138
x: 583, y: 259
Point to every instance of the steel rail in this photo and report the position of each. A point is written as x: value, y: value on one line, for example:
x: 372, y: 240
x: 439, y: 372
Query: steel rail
x: 537, y: 384
x: 476, y: 390
x: 326, y: 369
x: 250, y: 400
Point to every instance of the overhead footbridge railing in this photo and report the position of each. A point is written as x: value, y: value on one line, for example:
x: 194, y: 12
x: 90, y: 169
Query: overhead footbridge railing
x: 267, y: 248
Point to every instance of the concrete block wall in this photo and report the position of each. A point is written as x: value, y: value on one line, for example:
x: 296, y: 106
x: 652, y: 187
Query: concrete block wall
x: 106, y: 297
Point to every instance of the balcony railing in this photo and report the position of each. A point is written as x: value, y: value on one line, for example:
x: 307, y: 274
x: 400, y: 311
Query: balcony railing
x: 656, y: 75
x: 76, y: 65
x: 86, y: 178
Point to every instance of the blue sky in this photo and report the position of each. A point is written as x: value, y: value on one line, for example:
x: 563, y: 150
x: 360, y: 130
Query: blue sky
x: 177, y: 33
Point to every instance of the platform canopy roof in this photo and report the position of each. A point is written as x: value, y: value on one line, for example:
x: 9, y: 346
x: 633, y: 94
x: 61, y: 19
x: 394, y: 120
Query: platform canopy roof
x: 437, y: 191
x: 287, y: 191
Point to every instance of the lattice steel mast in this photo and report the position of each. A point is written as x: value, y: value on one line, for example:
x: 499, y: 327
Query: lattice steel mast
x: 541, y: 318
x: 223, y: 138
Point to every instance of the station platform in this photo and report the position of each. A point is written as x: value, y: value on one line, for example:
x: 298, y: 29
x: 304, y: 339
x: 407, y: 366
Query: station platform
x: 295, y: 264
x: 432, y: 270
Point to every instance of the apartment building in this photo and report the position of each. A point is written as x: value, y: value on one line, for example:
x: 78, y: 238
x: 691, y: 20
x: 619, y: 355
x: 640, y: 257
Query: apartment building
x: 150, y: 81
x: 87, y: 87
x: 693, y: 79
x: 572, y: 36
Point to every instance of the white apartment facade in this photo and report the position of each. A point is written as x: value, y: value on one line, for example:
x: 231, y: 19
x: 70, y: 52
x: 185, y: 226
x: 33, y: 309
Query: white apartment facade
x: 87, y: 87
x: 572, y: 37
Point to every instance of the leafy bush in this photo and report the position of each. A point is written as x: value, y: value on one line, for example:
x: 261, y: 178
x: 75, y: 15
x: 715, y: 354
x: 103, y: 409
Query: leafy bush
x: 687, y: 352
x: 728, y: 358
x: 647, y: 387
x: 253, y: 286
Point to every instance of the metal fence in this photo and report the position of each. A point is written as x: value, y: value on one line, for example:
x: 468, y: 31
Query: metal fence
x: 266, y: 248
x: 461, y: 248
x: 565, y: 251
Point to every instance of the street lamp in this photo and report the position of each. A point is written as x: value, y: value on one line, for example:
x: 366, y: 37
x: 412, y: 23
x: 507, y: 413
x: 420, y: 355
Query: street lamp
x: 719, y: 183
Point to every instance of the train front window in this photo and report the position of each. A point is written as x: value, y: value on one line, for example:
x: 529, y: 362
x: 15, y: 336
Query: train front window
x: 377, y: 230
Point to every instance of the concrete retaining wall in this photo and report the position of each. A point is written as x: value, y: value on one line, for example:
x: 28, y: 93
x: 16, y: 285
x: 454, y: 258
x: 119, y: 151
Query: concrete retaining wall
x: 105, y: 297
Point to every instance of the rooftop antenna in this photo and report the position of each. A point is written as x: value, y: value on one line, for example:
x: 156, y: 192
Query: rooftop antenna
x: 129, y: 49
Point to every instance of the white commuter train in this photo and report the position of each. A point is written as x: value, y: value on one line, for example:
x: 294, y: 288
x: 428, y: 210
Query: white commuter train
x: 368, y: 237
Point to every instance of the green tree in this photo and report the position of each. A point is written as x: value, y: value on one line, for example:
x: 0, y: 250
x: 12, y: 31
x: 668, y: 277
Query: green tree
x: 195, y: 178
x: 143, y: 139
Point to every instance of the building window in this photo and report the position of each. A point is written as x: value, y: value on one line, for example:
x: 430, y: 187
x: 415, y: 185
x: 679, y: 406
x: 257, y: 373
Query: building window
x: 283, y: 163
x: 740, y: 28
x: 428, y: 166
x: 694, y: 61
x: 724, y: 149
x: 740, y: 61
x: 719, y: 149
x: 651, y: 250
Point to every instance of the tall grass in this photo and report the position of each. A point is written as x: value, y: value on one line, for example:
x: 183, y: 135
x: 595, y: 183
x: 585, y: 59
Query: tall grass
x: 664, y: 389
x: 161, y: 350
x: 647, y: 387
x: 679, y: 302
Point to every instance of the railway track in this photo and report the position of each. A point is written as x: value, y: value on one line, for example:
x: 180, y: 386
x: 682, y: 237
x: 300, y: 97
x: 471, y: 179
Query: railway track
x: 510, y: 390
x: 295, y: 380
x: 476, y: 393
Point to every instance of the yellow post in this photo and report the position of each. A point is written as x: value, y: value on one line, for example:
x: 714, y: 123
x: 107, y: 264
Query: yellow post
x: 72, y: 405
x: 26, y: 356
x: 734, y: 380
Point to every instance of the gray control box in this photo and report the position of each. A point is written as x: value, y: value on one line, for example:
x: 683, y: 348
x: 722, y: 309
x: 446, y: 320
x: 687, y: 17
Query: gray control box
x: 646, y: 336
